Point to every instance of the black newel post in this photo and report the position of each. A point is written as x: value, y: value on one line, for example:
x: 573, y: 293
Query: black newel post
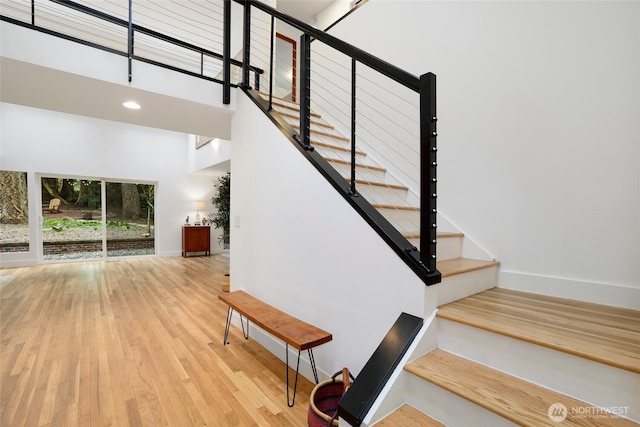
x: 428, y: 165
x: 271, y: 64
x: 353, y: 128
x: 226, y: 54
x: 130, y: 42
x: 246, y: 57
x: 305, y: 90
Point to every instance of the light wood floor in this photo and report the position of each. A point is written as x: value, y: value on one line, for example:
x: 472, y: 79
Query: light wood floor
x: 131, y: 343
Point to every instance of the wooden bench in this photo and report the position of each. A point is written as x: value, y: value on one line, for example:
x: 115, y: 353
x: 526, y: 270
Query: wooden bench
x: 292, y: 331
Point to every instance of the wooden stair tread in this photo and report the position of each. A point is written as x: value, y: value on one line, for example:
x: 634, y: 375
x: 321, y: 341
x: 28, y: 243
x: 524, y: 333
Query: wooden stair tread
x: 451, y: 267
x: 292, y: 107
x: 337, y: 147
x: 314, y: 122
x: 285, y: 103
x: 380, y: 184
x: 358, y: 165
x: 319, y: 132
x: 395, y: 207
x: 605, y: 334
x: 517, y: 400
x: 408, y: 416
x: 439, y: 234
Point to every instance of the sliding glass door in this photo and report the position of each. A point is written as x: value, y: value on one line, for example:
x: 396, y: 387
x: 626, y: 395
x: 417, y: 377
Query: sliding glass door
x: 89, y: 218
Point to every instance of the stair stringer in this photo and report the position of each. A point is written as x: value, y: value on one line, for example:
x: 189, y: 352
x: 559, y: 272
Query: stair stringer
x: 393, y: 395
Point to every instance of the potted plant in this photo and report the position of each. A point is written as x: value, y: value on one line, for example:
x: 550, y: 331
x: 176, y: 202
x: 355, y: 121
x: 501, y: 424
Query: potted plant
x: 221, y: 218
x: 222, y: 202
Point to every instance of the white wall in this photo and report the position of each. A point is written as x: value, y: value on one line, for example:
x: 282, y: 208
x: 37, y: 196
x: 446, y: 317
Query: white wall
x: 299, y: 246
x: 331, y: 14
x: 210, y: 162
x: 539, y: 131
x: 45, y: 142
x: 91, y: 82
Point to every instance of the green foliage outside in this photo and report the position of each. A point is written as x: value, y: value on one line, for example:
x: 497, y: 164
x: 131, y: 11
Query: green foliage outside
x: 69, y: 223
x: 62, y: 223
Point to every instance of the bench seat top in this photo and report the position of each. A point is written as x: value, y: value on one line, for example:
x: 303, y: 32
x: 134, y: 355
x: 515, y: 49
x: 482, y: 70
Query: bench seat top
x: 295, y: 332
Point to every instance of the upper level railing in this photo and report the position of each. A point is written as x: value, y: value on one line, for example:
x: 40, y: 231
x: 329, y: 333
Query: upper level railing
x: 380, y: 108
x: 187, y: 39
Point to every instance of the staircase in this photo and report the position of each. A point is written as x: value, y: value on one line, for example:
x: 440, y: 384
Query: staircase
x: 501, y: 357
x: 394, y: 201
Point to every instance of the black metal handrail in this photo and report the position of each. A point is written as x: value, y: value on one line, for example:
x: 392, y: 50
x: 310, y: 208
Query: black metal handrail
x: 361, y: 396
x: 422, y: 261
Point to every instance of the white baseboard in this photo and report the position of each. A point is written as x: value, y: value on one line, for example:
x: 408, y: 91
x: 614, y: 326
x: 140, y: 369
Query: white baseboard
x: 170, y: 254
x: 7, y: 262
x: 599, y: 293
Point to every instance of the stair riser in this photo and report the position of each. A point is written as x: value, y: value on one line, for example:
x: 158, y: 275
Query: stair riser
x: 315, y: 126
x: 328, y: 152
x: 403, y: 220
x: 460, y: 286
x: 447, y: 407
x: 382, y: 195
x: 589, y: 381
x: 449, y: 248
x: 361, y: 173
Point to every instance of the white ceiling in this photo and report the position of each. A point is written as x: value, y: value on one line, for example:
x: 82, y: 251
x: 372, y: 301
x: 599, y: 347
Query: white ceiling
x: 31, y: 85
x: 304, y: 10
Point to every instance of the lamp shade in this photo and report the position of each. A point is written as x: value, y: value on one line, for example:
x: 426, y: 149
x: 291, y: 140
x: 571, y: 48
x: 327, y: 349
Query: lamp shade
x: 199, y: 205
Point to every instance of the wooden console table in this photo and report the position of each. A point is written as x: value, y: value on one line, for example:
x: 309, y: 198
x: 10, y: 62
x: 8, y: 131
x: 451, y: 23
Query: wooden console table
x: 196, y: 238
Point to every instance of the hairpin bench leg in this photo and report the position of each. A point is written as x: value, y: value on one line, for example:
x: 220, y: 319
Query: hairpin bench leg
x: 226, y: 328
x: 295, y: 384
x: 313, y: 365
x: 246, y: 335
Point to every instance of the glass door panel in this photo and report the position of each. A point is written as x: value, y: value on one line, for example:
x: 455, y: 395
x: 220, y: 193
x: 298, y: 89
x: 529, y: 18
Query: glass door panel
x: 130, y: 219
x: 14, y: 212
x: 71, y: 218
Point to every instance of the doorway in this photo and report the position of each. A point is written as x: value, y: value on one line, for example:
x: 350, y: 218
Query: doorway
x: 285, y: 68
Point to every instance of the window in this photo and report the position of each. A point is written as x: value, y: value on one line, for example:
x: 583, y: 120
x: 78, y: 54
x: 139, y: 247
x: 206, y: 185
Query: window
x: 14, y: 212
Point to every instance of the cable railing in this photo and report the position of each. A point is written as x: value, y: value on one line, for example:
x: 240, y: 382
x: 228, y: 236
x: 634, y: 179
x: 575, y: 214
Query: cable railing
x: 372, y: 130
x: 367, y: 125
x: 184, y: 36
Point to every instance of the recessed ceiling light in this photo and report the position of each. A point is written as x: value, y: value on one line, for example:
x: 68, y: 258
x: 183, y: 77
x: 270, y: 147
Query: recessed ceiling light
x: 132, y: 105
